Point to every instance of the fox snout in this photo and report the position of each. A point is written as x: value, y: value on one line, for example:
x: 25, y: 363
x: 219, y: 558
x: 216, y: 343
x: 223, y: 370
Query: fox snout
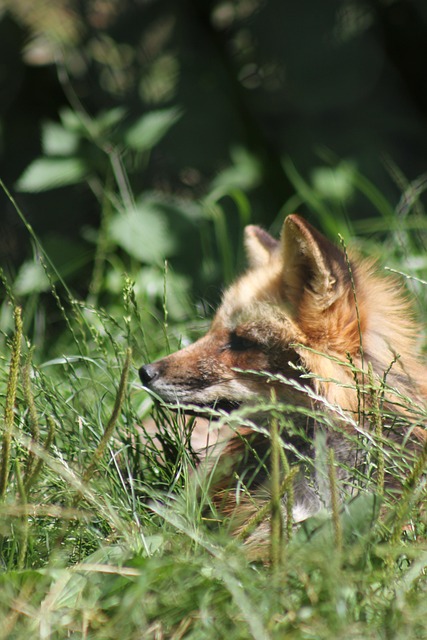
x: 153, y: 378
x: 148, y: 374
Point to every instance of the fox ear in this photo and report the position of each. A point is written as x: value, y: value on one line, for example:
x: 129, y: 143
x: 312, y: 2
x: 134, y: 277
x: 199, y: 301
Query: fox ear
x: 259, y: 246
x: 311, y: 263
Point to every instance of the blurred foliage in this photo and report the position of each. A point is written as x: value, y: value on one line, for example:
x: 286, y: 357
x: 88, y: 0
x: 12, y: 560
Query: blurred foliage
x: 136, y: 132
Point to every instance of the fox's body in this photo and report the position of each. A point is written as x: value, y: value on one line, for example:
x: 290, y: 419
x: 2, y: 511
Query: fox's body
x: 302, y: 306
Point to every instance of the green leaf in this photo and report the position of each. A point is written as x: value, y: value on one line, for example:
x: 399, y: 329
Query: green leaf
x: 143, y: 233
x: 107, y: 120
x: 69, y: 589
x: 91, y: 128
x: 357, y: 518
x: 151, y: 282
x: 334, y: 183
x: 244, y: 174
x: 72, y: 121
x: 50, y: 173
x: 360, y: 515
x: 57, y: 141
x: 31, y: 278
x: 151, y: 128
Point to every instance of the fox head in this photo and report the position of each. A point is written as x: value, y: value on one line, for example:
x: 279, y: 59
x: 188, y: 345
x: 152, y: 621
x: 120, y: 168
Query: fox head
x: 294, y: 305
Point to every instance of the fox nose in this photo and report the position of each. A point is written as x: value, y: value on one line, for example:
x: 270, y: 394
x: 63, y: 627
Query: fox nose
x: 148, y: 373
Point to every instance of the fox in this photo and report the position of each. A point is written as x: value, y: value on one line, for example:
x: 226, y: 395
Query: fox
x: 319, y: 336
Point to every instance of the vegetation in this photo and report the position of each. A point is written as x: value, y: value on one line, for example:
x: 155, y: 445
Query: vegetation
x: 103, y: 531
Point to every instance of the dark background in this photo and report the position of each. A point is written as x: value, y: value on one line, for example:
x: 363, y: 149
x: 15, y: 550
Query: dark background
x: 280, y: 84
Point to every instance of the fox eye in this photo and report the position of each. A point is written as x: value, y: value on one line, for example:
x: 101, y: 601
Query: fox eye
x: 237, y: 343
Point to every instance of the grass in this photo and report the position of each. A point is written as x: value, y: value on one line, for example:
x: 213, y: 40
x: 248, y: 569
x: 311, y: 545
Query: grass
x: 104, y: 534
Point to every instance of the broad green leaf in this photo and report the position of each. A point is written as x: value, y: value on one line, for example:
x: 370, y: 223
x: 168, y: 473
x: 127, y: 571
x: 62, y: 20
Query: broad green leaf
x: 151, y: 128
x: 143, y: 233
x: 50, y: 173
x: 68, y: 590
x: 57, y: 141
x: 72, y: 121
x: 244, y: 174
x: 357, y: 518
x: 334, y: 183
x: 360, y: 514
x: 106, y: 120
x: 84, y: 126
x: 174, y: 291
x: 31, y: 278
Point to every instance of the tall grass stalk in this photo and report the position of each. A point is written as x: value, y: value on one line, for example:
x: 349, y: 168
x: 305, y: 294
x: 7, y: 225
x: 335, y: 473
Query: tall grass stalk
x: 361, y: 406
x: 290, y: 498
x: 276, y: 522
x: 377, y: 428
x: 32, y: 411
x: 335, y: 503
x: 109, y: 429
x: 33, y: 471
x: 410, y: 491
x: 12, y: 385
x: 25, y: 524
x: 265, y: 510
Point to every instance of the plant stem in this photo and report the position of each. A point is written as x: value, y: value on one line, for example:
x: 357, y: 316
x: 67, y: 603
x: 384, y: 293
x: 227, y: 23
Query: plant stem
x: 12, y: 384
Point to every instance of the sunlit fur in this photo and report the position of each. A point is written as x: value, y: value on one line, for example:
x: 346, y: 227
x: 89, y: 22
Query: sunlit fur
x: 302, y: 305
